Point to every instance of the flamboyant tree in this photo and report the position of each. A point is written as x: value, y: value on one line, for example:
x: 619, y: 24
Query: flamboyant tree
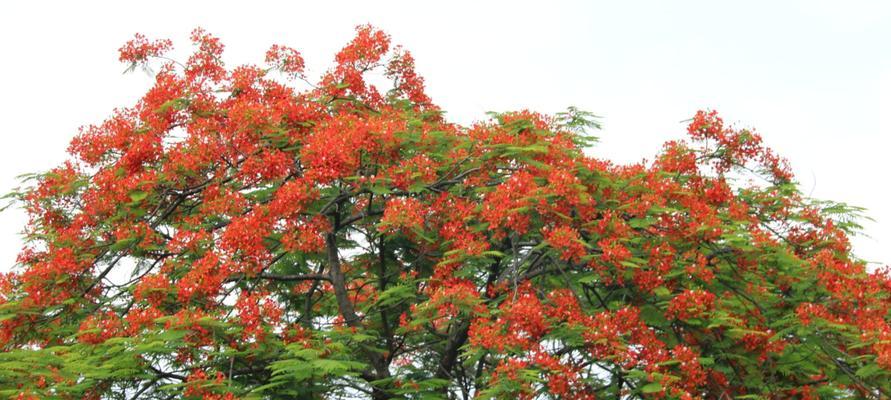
x: 235, y: 236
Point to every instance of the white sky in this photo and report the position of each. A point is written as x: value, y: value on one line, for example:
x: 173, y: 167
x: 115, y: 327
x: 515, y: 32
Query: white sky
x: 814, y: 77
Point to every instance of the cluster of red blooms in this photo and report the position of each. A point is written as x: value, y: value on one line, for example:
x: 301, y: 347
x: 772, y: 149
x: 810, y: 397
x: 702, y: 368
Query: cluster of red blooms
x: 255, y: 311
x: 140, y: 49
x: 334, y: 151
x: 563, y: 381
x: 286, y: 60
x: 694, y: 374
x: 621, y: 336
x: 204, y: 64
x: 519, y: 325
x: 245, y: 237
x: 510, y: 371
x: 418, y: 169
x: 736, y: 146
x: 691, y: 304
x: 99, y: 328
x: 199, y: 385
x: 452, y: 215
x: 152, y: 289
x: 364, y: 52
x: 402, y: 215
x: 651, y: 276
x: 613, y: 255
x: 306, y: 236
x: 408, y: 82
x: 808, y: 311
x: 567, y: 241
x: 507, y: 207
x: 450, y: 299
x: 203, y: 280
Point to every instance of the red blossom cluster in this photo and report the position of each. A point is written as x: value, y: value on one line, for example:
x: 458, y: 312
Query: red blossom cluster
x: 567, y: 241
x: 691, y: 304
x: 286, y: 60
x: 99, y: 328
x: 140, y: 49
x: 402, y: 215
x: 519, y: 325
x: 507, y: 207
x: 408, y: 83
x: 199, y: 385
x: 736, y: 147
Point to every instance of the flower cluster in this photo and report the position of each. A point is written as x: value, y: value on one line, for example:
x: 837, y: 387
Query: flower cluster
x: 286, y: 60
x: 691, y: 304
x: 98, y: 328
x: 140, y: 49
x: 402, y: 214
x: 566, y: 240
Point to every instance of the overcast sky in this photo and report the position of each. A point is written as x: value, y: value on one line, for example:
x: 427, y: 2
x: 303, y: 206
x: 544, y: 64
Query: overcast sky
x: 813, y: 77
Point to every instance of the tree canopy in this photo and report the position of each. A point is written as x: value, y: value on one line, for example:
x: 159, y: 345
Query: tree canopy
x: 250, y: 233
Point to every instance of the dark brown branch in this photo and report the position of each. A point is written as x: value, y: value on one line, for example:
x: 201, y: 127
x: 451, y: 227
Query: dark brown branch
x: 344, y: 305
x: 280, y: 278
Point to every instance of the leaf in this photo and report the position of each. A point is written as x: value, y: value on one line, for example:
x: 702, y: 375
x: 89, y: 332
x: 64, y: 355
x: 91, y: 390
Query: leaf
x: 869, y: 370
x: 380, y: 190
x: 588, y: 278
x: 417, y: 187
x: 122, y: 244
x: 653, y: 316
x: 395, y: 295
x: 493, y: 254
x: 138, y: 195
x: 651, y: 388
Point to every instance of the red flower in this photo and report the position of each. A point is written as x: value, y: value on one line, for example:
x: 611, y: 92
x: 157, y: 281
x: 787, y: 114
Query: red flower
x: 567, y: 241
x: 691, y: 304
x: 402, y: 214
x: 286, y: 60
x: 140, y: 49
